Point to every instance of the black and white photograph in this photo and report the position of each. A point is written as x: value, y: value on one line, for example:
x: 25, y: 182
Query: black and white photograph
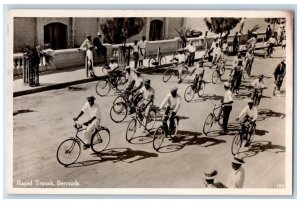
x: 150, y: 102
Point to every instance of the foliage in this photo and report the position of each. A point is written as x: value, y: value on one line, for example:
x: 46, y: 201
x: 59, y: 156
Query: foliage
x: 118, y: 30
x: 35, y: 53
x: 219, y: 25
x: 275, y: 20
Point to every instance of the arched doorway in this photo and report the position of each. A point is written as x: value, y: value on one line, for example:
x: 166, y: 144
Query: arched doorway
x: 156, y: 30
x: 56, y: 35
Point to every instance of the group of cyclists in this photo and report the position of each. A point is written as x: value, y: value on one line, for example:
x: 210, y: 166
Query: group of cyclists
x: 142, y: 95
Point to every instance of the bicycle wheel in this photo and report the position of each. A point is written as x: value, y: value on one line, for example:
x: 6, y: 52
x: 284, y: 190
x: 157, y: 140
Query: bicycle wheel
x: 185, y: 72
x: 68, y: 152
x: 163, y: 60
x: 215, y: 77
x: 158, y: 138
x: 176, y: 123
x: 119, y: 99
x: 151, y: 119
x: 167, y: 74
x: 103, y: 87
x: 100, y: 140
x: 152, y: 62
x: 236, y: 144
x: 118, y: 112
x: 252, y: 135
x: 131, y: 129
x: 274, y: 90
x: 121, y: 83
x: 189, y: 93
x: 208, y: 123
x: 202, y: 88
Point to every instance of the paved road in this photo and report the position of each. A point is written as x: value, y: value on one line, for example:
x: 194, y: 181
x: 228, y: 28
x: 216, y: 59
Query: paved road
x: 43, y: 120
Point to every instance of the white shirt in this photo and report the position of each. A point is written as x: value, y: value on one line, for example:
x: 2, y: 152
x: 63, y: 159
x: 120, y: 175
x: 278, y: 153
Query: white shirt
x: 147, y: 94
x: 272, y: 40
x: 92, y: 111
x: 258, y: 85
x: 236, y: 61
x: 142, y: 44
x: 217, y: 51
x: 113, y: 66
x: 199, y: 70
x: 252, y: 113
x: 86, y: 45
x: 191, y: 48
x: 173, y: 102
x: 135, y: 48
x: 138, y: 81
x: 181, y: 58
x: 236, y: 178
x: 227, y: 96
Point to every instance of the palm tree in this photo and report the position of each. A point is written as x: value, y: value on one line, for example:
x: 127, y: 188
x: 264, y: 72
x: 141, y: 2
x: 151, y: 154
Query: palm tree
x: 274, y: 21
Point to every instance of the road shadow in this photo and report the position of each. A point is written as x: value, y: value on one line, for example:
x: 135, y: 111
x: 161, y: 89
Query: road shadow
x: 116, y: 155
x: 22, y: 111
x: 77, y: 88
x: 268, y: 113
x: 262, y: 146
x: 206, y: 97
x: 261, y: 132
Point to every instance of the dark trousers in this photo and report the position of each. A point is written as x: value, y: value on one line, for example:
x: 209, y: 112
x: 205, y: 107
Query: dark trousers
x: 226, y: 113
x: 191, y: 58
x: 135, y: 58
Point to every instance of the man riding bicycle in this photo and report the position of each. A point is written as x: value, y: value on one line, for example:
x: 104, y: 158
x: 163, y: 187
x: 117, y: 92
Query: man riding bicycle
x: 258, y: 87
x: 279, y: 74
x: 270, y: 44
x: 94, y: 114
x: 217, y: 52
x: 138, y: 84
x: 249, y: 113
x: 181, y: 58
x: 173, y: 102
x: 252, y: 41
x: 147, y: 92
x: 249, y: 60
x: 199, y: 71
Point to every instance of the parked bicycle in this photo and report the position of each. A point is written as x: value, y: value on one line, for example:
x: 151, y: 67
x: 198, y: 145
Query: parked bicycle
x: 138, y: 119
x: 212, y: 118
x: 69, y: 150
x: 242, y: 136
x: 116, y: 81
x: 157, y: 60
x: 194, y: 88
x: 162, y: 133
x: 173, y: 71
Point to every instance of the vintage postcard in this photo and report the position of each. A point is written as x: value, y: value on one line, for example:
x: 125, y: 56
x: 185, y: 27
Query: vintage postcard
x: 174, y: 102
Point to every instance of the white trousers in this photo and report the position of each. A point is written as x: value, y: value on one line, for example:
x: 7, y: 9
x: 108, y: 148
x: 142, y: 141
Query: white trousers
x: 89, y: 131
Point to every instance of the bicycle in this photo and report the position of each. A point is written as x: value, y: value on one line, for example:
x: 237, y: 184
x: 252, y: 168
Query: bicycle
x: 220, y: 70
x: 194, y: 88
x: 278, y: 84
x: 115, y: 80
x: 173, y: 70
x: 248, y: 68
x: 242, y: 136
x: 269, y: 50
x: 255, y: 97
x: 212, y: 118
x: 69, y: 150
x: 157, y: 60
x: 161, y: 133
x: 139, y: 118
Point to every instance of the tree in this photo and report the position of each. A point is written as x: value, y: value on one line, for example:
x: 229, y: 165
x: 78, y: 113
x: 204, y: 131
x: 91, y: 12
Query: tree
x: 274, y: 21
x: 118, y: 30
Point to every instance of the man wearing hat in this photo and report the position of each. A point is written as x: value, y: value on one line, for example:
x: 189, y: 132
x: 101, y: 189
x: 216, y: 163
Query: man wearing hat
x: 88, y: 46
x: 209, y: 176
x: 279, y: 71
x: 270, y: 44
x: 173, y: 102
x: 252, y: 41
x: 191, y: 56
x: 226, y: 107
x: 94, y: 118
x: 142, y: 50
x: 237, y: 175
x: 138, y: 84
x: 181, y: 58
x: 237, y: 74
x: 249, y: 113
x: 148, y: 94
x: 199, y: 74
x: 135, y: 48
x: 258, y: 87
x: 212, y: 48
x: 98, y: 43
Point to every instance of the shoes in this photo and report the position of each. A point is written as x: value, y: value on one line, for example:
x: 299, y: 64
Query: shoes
x: 180, y: 81
x: 247, y: 144
x: 86, y: 146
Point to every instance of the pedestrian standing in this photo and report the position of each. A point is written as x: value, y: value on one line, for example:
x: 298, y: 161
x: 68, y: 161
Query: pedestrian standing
x: 135, y: 48
x: 209, y: 179
x: 237, y: 175
x: 98, y: 43
x: 237, y: 75
x: 192, y: 49
x: 142, y: 50
x: 226, y: 107
x: 236, y: 43
x: 88, y: 46
x: 268, y: 33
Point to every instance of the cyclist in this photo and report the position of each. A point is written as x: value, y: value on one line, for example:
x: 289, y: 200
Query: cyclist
x: 236, y: 77
x: 129, y: 78
x: 249, y: 60
x: 147, y: 92
x: 212, y: 48
x: 181, y: 58
x: 217, y: 52
x: 258, y: 87
x: 191, y: 56
x: 199, y: 71
x: 138, y: 84
x: 249, y: 113
x: 279, y: 74
x: 252, y: 41
x: 226, y: 107
x: 94, y: 114
x: 270, y: 44
x: 236, y: 60
x: 173, y: 102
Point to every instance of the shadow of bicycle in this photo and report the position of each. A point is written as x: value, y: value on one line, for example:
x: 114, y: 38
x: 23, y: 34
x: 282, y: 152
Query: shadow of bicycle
x: 115, y: 155
x: 262, y: 146
x: 268, y: 113
x: 206, y: 97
